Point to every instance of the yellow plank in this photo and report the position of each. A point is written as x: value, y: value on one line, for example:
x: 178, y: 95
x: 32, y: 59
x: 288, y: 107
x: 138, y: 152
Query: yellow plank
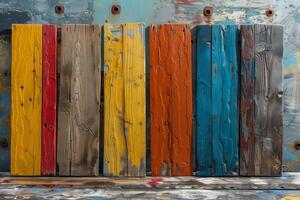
x: 26, y: 84
x: 124, y: 100
x: 135, y: 97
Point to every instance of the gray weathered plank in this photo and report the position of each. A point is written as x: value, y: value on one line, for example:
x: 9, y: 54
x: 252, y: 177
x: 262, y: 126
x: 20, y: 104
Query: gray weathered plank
x: 79, y: 101
x: 268, y: 100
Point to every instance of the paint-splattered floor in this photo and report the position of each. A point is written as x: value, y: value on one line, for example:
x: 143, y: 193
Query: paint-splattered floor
x: 286, y: 187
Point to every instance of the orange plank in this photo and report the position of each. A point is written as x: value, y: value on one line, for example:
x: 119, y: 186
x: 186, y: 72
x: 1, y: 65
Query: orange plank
x: 171, y: 100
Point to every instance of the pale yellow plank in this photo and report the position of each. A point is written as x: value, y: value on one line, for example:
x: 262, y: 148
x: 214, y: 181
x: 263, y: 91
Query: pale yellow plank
x: 124, y: 100
x: 26, y: 84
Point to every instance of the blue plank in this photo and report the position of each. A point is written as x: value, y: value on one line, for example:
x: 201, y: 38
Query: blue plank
x: 231, y: 104
x: 203, y: 102
x: 217, y: 103
x: 5, y: 61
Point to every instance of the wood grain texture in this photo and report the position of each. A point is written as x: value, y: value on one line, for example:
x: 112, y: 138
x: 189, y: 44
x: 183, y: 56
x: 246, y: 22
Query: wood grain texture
x: 124, y: 100
x: 5, y: 101
x: 247, y: 134
x: 26, y: 83
x: 49, y: 100
x: 204, y: 159
x: 268, y: 100
x: 171, y: 100
x: 224, y: 101
x: 79, y: 101
x: 217, y: 102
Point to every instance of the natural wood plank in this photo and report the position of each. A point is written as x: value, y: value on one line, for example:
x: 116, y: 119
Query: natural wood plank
x: 5, y: 101
x: 171, y: 100
x: 268, y: 100
x: 204, y: 161
x: 49, y: 100
x: 26, y: 100
x: 247, y: 134
x: 79, y: 101
x: 124, y: 100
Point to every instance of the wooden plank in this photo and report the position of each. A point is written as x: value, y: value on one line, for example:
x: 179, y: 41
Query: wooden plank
x: 171, y: 100
x: 268, y: 100
x: 247, y: 134
x: 124, y: 100
x: 49, y: 100
x: 26, y: 100
x: 203, y: 102
x: 224, y: 101
x: 79, y: 101
x: 5, y: 101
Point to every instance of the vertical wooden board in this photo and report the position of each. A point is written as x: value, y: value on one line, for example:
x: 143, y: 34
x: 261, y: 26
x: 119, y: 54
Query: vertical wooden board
x: 124, y: 100
x: 26, y: 100
x: 135, y: 98
x: 247, y: 150
x: 160, y: 88
x: 224, y: 101
x: 5, y: 101
x: 49, y: 100
x: 182, y: 101
x: 204, y: 141
x: 79, y: 101
x: 268, y: 100
x: 171, y: 100
x: 115, y: 147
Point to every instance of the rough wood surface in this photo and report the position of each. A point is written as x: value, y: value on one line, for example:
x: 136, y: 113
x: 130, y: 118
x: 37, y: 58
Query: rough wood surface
x: 79, y: 101
x: 124, y: 100
x: 49, y: 100
x: 268, y: 100
x: 204, y: 159
x: 171, y: 100
x: 26, y: 110
x: 247, y: 134
x: 217, y: 103
x: 5, y: 101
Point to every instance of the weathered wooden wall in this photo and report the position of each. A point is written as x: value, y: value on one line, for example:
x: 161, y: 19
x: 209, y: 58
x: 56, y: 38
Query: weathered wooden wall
x: 171, y: 100
x: 217, y: 100
x: 49, y: 100
x: 261, y: 101
x: 79, y: 101
x: 26, y: 95
x: 124, y: 100
x: 286, y: 13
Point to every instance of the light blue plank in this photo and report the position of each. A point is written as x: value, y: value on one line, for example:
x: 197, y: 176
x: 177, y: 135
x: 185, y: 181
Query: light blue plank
x: 224, y: 100
x: 203, y: 102
x: 5, y: 62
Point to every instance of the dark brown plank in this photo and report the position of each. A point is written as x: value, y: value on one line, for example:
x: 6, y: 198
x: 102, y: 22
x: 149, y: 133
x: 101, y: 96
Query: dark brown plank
x: 247, y: 150
x: 79, y: 101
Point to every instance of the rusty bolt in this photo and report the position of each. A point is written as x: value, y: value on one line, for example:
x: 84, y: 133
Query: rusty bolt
x: 208, y: 11
x: 59, y: 9
x: 297, y: 145
x: 116, y: 9
x: 269, y: 12
x: 4, y: 143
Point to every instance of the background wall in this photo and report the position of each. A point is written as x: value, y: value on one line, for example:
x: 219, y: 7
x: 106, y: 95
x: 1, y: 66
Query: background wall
x: 285, y: 12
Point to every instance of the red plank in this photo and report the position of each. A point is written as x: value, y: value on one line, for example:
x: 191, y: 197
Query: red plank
x: 171, y: 100
x: 49, y: 100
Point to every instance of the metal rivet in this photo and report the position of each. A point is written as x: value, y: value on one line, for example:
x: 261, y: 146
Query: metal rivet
x: 297, y: 145
x: 208, y: 11
x: 269, y: 12
x: 59, y: 9
x: 116, y: 9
